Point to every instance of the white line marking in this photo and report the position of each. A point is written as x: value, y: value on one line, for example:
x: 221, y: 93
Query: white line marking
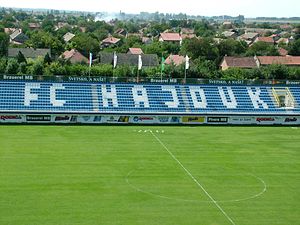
x: 194, y: 179
x: 191, y: 200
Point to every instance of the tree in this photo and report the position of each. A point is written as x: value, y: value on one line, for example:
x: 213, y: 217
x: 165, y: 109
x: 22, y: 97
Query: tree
x: 21, y: 58
x: 47, y: 59
x: 196, y: 48
x: 294, y: 48
x: 4, y: 42
x: 232, y: 47
x: 85, y: 43
x: 12, y: 66
x: 261, y: 48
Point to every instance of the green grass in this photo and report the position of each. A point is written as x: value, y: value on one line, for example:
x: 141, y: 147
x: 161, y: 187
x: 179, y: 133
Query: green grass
x: 115, y: 175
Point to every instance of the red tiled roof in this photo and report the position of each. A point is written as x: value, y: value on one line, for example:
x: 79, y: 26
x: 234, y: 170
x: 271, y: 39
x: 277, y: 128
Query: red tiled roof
x: 282, y: 51
x: 176, y: 59
x: 241, y: 62
x: 74, y: 56
x: 265, y: 39
x: 170, y: 36
x: 135, y: 51
x: 284, y: 60
x: 111, y: 40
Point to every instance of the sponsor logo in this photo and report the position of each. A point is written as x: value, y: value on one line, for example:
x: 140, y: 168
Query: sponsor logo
x: 136, y: 118
x: 86, y: 118
x: 113, y: 119
x: 123, y: 119
x: 97, y: 119
x: 163, y: 119
x: 38, y: 118
x: 74, y: 119
x: 10, y: 117
x: 287, y: 120
x: 217, y: 119
x: 193, y: 119
x: 242, y: 119
x: 264, y: 119
x: 62, y: 118
x: 175, y: 119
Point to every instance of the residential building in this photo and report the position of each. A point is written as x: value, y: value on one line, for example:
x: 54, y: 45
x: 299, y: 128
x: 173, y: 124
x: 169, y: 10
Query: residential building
x: 18, y: 37
x: 29, y: 52
x: 238, y: 62
x: 175, y: 60
x: 74, y: 56
x: 170, y: 37
x: 135, y: 51
x: 148, y: 60
x: 68, y: 37
x: 110, y: 41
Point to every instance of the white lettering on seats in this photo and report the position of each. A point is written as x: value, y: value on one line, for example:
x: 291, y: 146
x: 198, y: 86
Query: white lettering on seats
x: 140, y: 97
x: 53, y: 99
x: 198, y: 97
x: 255, y: 98
x: 232, y: 104
x: 112, y: 95
x: 28, y: 96
x: 175, y: 102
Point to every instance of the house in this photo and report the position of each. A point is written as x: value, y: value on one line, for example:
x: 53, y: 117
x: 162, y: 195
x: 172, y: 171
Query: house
x: 34, y: 26
x: 135, y: 51
x: 10, y: 30
x: 74, y: 56
x: 261, y: 31
x: 187, y: 31
x: 175, y: 60
x: 249, y: 36
x: 110, y: 41
x: 29, y: 52
x: 227, y: 24
x: 68, y: 36
x: 268, y: 40
x: 283, y: 41
x: 283, y: 60
x: 283, y: 52
x: 229, y: 34
x: 147, y: 40
x: 188, y: 36
x: 238, y: 62
x: 121, y: 32
x: 18, y: 37
x: 61, y: 25
x: 170, y: 37
x: 148, y: 60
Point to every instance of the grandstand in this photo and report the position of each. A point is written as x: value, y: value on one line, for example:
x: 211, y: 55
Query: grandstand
x: 93, y: 102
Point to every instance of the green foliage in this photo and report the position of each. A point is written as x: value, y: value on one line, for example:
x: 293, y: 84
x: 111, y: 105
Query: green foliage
x: 294, y: 48
x: 4, y: 42
x: 3, y: 62
x: 47, y: 59
x: 85, y: 43
x: 22, y: 70
x: 102, y: 70
x: 21, y: 58
x: 12, y: 66
x: 203, y: 47
x: 55, y: 68
x: 234, y: 74
x: 275, y: 71
x: 261, y: 48
x: 231, y: 47
x: 36, y: 67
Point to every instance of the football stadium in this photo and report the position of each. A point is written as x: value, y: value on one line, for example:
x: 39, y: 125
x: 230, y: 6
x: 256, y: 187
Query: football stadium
x: 208, y: 152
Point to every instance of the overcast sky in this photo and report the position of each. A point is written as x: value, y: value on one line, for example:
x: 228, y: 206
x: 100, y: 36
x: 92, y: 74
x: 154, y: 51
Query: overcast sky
x: 249, y: 8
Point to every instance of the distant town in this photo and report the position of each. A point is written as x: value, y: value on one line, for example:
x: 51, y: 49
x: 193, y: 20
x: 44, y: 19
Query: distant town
x: 152, y: 45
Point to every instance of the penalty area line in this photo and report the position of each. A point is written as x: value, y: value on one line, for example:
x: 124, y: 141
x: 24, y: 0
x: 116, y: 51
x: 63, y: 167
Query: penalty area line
x: 194, y: 179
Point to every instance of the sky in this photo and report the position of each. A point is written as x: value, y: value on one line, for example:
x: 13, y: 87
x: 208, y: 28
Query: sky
x: 248, y: 8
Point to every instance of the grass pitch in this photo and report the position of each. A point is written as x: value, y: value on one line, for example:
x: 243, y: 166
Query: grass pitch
x: 126, y: 175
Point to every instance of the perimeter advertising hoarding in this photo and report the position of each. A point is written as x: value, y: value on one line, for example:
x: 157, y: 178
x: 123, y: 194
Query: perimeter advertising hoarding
x: 193, y: 119
x: 11, y: 118
x: 149, y: 119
